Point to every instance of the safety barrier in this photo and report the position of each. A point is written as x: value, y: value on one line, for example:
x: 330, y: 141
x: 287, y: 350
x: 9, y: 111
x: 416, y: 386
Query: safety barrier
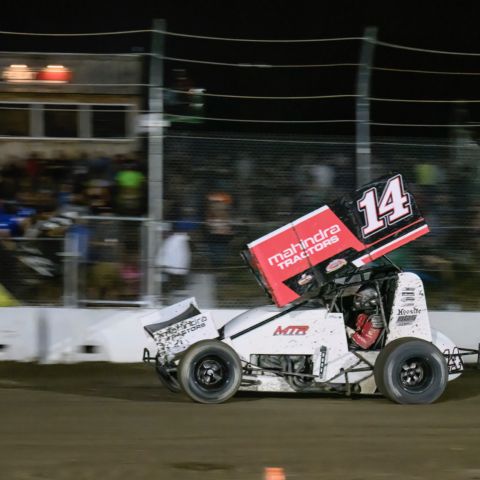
x: 71, y: 335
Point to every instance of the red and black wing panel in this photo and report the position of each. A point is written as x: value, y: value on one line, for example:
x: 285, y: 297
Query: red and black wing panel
x: 321, y: 245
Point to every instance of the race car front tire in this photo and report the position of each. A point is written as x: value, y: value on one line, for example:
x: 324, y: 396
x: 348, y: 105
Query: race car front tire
x: 411, y: 371
x: 210, y: 371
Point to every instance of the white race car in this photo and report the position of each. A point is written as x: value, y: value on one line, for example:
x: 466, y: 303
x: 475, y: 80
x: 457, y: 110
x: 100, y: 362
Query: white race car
x: 346, y: 319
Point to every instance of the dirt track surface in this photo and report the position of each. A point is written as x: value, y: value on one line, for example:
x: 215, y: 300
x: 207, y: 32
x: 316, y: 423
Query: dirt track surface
x: 99, y: 421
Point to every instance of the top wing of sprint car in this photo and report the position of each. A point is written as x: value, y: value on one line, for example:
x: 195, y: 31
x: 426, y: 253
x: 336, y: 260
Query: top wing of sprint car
x: 304, y: 255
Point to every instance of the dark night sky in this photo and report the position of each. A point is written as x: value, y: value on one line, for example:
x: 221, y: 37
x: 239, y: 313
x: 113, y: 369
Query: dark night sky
x: 431, y: 26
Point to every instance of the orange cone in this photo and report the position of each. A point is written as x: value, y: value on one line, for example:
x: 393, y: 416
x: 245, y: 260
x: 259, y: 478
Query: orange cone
x: 274, y: 473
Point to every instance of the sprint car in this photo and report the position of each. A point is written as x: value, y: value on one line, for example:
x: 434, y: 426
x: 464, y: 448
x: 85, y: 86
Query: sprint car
x: 344, y: 320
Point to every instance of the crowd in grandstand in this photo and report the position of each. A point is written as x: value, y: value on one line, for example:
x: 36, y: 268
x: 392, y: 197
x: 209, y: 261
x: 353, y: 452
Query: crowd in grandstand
x: 222, y: 203
x: 35, y: 191
x: 44, y: 199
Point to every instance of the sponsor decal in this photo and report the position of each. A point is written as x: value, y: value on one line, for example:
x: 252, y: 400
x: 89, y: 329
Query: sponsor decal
x: 403, y: 320
x: 323, y: 360
x: 406, y: 316
x: 291, y: 330
x: 304, y: 279
x: 407, y: 297
x: 335, y: 265
x: 454, y: 360
x: 384, y: 212
x: 408, y: 311
x: 305, y: 248
x: 179, y: 336
x: 179, y: 329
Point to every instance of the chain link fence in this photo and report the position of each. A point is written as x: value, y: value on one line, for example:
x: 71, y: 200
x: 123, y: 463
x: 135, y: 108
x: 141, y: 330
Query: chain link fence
x: 107, y: 265
x: 227, y: 190
x: 222, y: 191
x: 446, y: 182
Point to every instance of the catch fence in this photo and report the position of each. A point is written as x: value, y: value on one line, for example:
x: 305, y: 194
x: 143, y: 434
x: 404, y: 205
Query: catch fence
x: 224, y: 191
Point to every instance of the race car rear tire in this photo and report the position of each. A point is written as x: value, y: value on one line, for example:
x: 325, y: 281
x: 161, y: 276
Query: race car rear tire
x: 410, y: 370
x: 167, y: 378
x: 210, y: 371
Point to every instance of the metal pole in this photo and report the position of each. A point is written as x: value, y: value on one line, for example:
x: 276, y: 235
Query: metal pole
x: 70, y: 270
x: 363, y: 152
x: 155, y: 157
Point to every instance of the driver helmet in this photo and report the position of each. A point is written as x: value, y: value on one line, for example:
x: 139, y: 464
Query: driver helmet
x: 366, y: 298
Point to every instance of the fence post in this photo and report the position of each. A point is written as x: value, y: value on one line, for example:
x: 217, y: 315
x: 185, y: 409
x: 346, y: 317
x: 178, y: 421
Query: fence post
x: 363, y: 150
x: 70, y: 270
x: 155, y: 160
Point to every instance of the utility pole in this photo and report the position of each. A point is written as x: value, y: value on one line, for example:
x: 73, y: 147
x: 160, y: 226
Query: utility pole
x: 155, y: 158
x: 363, y: 149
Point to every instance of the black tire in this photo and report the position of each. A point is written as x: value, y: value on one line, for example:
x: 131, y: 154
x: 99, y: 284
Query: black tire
x: 210, y: 371
x: 410, y: 370
x: 168, y: 378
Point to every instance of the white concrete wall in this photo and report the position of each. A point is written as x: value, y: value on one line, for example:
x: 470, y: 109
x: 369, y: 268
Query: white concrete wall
x: 68, y: 335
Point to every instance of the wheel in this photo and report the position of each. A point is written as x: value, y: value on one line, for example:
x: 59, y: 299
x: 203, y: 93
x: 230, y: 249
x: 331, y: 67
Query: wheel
x: 168, y: 376
x: 210, y: 371
x: 411, y: 370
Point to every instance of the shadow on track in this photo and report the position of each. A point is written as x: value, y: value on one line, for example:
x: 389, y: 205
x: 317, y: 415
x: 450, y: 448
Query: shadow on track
x: 137, y: 382
x: 465, y: 387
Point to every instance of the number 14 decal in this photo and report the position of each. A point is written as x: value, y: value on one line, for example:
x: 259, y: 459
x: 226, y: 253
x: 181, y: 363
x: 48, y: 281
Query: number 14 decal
x: 394, y: 205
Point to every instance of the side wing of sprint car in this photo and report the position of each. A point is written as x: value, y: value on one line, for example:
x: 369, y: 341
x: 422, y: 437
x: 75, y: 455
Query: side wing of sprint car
x: 178, y: 327
x: 333, y: 241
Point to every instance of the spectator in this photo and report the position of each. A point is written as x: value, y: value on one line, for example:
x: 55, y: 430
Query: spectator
x: 218, y: 227
x: 173, y: 260
x: 11, y: 174
x: 345, y: 175
x: 131, y: 275
x: 32, y: 168
x: 130, y: 184
x: 308, y: 197
x: 428, y: 176
x: 323, y: 175
x: 104, y: 279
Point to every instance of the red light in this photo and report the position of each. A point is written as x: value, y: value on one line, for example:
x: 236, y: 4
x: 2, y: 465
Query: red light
x: 54, y: 74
